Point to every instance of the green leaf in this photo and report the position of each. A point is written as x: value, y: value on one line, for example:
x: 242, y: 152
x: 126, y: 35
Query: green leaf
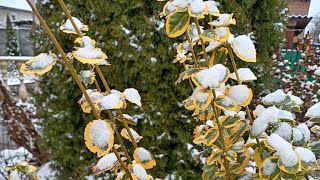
x: 209, y: 35
x: 186, y: 74
x: 215, y: 156
x: 241, y: 130
x: 231, y: 155
x: 315, y: 148
x: 211, y: 136
x: 315, y: 119
x: 229, y: 121
x: 209, y: 172
x: 177, y: 23
x: 296, y: 108
x: 225, y: 103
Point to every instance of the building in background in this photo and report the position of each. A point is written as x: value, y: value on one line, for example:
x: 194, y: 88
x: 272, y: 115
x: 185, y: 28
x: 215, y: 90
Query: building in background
x: 297, y: 21
x: 22, y: 18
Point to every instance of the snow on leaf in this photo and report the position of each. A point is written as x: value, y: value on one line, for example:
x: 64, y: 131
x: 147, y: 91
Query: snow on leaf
x: 306, y: 155
x: 297, y: 135
x: 268, y: 167
x: 99, y: 137
x: 284, y: 130
x: 39, y: 64
x: 295, y: 99
x: 202, y: 98
x: 288, y: 158
x: 212, y: 77
x: 278, y: 143
x: 144, y: 157
x: 139, y: 173
x: 213, y: 45
x: 106, y: 163
x: 317, y: 72
x: 258, y: 111
x: 314, y: 111
x: 223, y: 33
x: 67, y: 27
x: 241, y: 94
x: 276, y: 98
x: 133, y: 96
x: 223, y: 20
x: 111, y: 101
x: 244, y: 48
x: 245, y: 74
x: 267, y: 117
x: 197, y: 9
x: 87, y: 77
x: 212, y: 8
x: 305, y: 131
x: 136, y: 136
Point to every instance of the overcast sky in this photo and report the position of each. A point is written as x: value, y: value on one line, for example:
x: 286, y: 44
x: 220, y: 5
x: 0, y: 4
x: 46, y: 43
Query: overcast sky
x: 313, y: 10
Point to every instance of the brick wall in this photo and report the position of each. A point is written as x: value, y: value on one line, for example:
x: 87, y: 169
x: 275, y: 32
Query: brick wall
x: 298, y: 7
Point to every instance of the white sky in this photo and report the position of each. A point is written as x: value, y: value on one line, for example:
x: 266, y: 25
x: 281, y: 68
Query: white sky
x: 313, y: 10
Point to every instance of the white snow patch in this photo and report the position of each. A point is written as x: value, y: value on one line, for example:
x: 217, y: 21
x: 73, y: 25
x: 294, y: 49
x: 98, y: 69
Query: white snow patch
x: 305, y: 131
x: 139, y: 172
x: 268, y: 167
x: 245, y: 74
x: 110, y: 101
x: 106, y: 162
x: 314, y: 111
x: 244, y: 47
x: 239, y: 93
x: 68, y: 24
x: 197, y: 6
x: 212, y: 77
x: 306, y: 155
x: 284, y: 130
x: 275, y: 97
x: 100, y: 134
x: 133, y: 96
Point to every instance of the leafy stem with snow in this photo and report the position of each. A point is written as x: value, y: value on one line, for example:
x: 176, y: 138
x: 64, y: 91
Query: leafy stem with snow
x: 99, y: 133
x: 239, y: 147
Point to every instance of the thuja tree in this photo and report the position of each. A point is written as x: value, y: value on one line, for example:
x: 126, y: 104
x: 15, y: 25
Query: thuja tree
x: 238, y: 143
x: 11, y: 48
x: 102, y: 133
x: 132, y: 34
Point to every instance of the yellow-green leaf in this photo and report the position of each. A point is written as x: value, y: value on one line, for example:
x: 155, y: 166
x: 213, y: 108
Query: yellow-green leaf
x: 215, y: 156
x: 211, y: 136
x: 177, y: 23
x: 225, y: 103
x: 209, y: 35
x: 229, y: 121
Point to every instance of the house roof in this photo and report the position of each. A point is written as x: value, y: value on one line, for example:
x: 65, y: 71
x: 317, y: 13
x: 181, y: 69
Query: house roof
x: 15, y: 4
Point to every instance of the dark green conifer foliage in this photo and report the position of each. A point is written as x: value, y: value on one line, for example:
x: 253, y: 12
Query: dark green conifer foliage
x: 141, y: 56
x: 11, y: 48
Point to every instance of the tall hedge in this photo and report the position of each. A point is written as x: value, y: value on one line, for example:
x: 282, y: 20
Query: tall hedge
x: 132, y: 35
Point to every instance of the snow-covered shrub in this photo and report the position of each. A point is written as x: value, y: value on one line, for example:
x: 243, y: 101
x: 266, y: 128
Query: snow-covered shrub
x: 299, y: 74
x: 99, y: 134
x: 238, y: 143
